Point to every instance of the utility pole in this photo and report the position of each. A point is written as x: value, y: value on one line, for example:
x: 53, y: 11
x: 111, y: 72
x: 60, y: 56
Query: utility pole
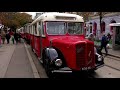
x: 100, y: 15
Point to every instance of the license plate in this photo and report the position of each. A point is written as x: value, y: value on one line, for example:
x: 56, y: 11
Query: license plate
x: 85, y: 68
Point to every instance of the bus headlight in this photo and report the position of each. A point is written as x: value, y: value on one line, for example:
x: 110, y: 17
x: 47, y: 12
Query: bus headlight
x: 58, y: 62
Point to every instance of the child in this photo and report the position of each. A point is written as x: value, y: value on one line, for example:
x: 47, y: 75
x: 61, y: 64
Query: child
x: 12, y: 39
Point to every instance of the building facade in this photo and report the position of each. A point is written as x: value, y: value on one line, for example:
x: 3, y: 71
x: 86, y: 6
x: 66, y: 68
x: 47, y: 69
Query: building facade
x: 93, y: 25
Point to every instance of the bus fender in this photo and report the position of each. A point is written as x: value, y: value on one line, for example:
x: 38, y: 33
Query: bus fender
x: 51, y: 53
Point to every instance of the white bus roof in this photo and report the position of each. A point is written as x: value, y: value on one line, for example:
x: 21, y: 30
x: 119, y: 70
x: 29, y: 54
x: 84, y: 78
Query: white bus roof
x: 114, y: 24
x: 52, y: 16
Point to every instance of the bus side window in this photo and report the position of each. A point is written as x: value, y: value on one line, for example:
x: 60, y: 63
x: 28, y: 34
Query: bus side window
x: 35, y: 28
x: 41, y: 29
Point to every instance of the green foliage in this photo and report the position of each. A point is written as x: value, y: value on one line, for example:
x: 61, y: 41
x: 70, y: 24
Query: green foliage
x: 14, y: 19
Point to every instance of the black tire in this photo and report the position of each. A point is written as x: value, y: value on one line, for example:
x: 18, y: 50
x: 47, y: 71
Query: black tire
x: 91, y: 71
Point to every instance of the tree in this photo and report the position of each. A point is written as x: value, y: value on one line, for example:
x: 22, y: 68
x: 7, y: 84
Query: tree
x: 23, y: 18
x: 85, y: 15
x: 101, y: 15
x: 14, y: 20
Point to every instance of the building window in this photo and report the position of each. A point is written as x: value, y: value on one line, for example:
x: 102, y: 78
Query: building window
x: 111, y: 28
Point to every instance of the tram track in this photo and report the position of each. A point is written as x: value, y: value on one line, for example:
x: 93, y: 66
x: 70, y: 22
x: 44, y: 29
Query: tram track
x: 112, y: 62
x: 112, y: 67
x: 114, y: 58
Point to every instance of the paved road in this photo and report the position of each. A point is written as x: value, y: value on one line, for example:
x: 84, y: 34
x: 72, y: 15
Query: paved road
x: 15, y: 62
x: 19, y: 66
x: 6, y: 52
x: 103, y: 72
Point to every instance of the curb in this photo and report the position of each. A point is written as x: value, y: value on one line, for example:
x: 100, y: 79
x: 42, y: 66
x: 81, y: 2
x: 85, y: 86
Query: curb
x: 34, y: 69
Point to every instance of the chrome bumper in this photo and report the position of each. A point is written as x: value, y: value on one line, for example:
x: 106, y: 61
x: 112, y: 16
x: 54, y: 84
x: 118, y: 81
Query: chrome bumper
x: 99, y: 66
x: 63, y: 70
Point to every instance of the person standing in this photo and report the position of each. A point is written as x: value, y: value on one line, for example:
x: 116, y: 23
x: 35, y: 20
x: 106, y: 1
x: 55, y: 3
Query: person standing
x: 3, y: 36
x: 91, y: 37
x: 16, y: 37
x: 12, y: 38
x: 8, y: 37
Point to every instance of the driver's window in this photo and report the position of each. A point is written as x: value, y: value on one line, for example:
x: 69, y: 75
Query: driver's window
x: 41, y: 28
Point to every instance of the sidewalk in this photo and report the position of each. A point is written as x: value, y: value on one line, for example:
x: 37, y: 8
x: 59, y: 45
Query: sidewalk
x: 15, y: 61
x: 6, y: 52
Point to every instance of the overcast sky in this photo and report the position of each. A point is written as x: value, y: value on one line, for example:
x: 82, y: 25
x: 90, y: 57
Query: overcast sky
x: 31, y: 13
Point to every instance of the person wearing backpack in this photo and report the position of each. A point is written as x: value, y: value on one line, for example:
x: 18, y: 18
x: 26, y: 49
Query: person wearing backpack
x: 104, y: 42
x: 8, y: 37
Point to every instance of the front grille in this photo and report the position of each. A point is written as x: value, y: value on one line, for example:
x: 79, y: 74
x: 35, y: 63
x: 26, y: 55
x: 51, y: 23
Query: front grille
x: 90, y: 53
x: 84, y: 54
x: 80, y: 55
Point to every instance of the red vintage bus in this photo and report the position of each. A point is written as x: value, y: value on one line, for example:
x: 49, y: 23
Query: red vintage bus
x: 21, y: 31
x: 59, y: 42
x: 27, y: 32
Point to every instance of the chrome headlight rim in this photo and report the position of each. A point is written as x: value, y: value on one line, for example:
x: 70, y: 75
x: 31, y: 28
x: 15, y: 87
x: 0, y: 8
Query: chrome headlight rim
x: 58, y: 62
x: 100, y: 58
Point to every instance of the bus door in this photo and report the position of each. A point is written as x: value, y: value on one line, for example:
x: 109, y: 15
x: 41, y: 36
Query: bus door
x: 42, y: 35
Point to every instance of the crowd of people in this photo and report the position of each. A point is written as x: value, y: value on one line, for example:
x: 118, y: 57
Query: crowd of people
x: 13, y: 36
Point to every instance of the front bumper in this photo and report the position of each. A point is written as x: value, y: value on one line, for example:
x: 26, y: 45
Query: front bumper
x: 63, y: 70
x: 99, y: 65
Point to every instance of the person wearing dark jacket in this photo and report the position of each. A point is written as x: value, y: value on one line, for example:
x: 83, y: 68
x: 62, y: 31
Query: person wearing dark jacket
x: 104, y: 43
x: 8, y: 37
x: 16, y: 36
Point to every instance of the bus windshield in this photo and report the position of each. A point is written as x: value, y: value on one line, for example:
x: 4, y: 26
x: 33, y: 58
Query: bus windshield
x: 56, y: 28
x: 75, y: 28
x: 61, y: 28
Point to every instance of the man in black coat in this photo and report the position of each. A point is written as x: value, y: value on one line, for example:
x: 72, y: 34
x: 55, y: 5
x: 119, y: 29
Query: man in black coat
x: 16, y: 36
x: 104, y: 43
x: 8, y: 37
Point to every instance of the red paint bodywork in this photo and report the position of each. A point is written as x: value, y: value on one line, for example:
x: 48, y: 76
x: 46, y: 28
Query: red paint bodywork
x: 27, y: 36
x: 67, y: 45
x: 37, y: 45
x: 22, y: 35
x: 31, y: 40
